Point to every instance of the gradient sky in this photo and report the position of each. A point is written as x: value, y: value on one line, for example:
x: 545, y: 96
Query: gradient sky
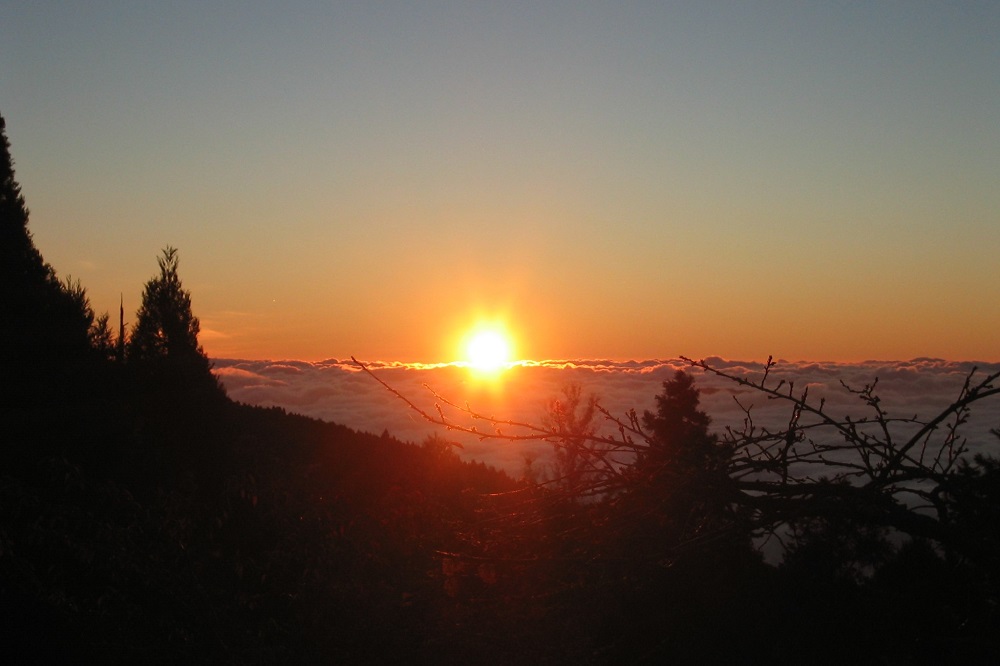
x: 612, y: 180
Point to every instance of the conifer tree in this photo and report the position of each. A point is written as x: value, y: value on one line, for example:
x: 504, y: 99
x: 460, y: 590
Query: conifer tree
x: 44, y: 330
x: 680, y: 429
x: 163, y: 346
x: 679, y: 491
x: 20, y: 263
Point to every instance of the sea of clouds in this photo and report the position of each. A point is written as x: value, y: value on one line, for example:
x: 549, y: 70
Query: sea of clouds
x: 339, y: 391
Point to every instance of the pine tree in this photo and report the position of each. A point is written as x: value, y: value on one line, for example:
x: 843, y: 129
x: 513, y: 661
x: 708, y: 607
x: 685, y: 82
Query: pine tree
x: 680, y: 430
x: 680, y: 490
x: 21, y: 264
x: 45, y: 328
x: 163, y: 347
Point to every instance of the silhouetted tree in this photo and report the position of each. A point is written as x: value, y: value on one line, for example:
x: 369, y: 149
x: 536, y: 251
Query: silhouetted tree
x: 102, y: 339
x: 45, y: 327
x: 163, y: 347
x: 674, y: 503
x: 681, y: 478
x: 897, y: 473
x: 20, y: 263
x: 678, y: 429
x: 572, y: 417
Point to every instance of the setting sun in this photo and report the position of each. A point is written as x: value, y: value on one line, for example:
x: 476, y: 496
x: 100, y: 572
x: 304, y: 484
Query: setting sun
x: 487, y: 350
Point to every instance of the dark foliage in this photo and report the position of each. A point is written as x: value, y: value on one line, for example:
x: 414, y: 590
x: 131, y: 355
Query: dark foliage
x: 232, y: 534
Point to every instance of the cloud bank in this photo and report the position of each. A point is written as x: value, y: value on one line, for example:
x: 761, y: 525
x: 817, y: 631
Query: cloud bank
x: 337, y: 390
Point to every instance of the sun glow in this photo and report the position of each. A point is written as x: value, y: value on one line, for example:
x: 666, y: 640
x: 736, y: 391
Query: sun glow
x: 487, y: 350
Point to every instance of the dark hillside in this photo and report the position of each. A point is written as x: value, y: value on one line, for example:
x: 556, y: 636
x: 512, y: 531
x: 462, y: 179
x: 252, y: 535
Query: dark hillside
x: 240, y: 534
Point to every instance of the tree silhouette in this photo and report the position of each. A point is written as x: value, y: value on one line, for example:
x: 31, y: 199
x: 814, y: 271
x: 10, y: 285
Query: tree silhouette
x: 45, y: 328
x: 893, y: 472
x: 684, y: 471
x: 679, y: 429
x: 20, y: 263
x: 675, y: 499
x: 163, y: 347
x: 573, y: 418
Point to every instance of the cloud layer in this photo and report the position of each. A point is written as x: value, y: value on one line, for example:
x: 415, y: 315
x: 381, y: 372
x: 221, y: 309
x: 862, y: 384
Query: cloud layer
x: 339, y: 391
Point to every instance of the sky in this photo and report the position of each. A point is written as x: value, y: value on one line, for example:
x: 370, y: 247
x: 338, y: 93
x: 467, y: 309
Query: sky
x: 614, y: 180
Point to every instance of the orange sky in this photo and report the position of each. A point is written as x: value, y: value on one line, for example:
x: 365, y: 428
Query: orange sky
x: 815, y: 181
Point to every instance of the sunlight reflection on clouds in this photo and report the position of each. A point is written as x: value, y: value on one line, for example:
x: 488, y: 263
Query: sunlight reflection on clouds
x: 338, y: 391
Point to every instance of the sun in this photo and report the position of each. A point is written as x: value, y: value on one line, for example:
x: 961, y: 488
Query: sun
x: 488, y: 350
